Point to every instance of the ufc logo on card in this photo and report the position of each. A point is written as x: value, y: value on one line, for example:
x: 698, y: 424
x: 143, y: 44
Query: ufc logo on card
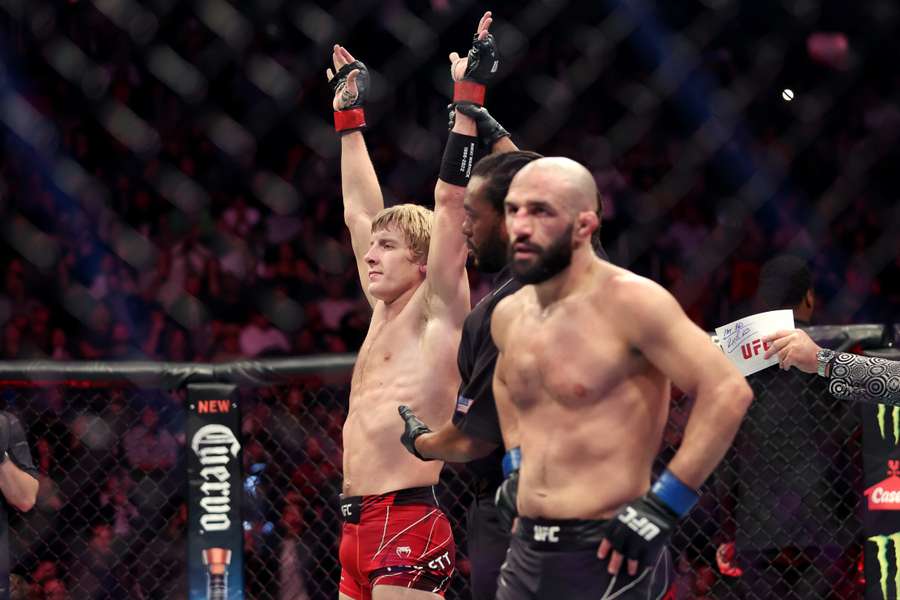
x: 640, y: 525
x: 544, y: 533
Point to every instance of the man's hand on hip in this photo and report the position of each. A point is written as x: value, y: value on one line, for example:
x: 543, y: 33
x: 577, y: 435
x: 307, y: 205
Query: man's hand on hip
x: 638, y: 533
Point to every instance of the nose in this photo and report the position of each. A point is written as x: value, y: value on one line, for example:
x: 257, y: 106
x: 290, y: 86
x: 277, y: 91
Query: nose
x: 467, y: 227
x: 519, y: 224
x: 369, y: 257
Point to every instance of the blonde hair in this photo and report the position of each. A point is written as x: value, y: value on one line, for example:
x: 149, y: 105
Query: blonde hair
x: 413, y: 222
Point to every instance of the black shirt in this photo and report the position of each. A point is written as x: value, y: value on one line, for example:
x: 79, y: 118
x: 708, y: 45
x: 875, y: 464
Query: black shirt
x: 21, y: 456
x: 476, y: 413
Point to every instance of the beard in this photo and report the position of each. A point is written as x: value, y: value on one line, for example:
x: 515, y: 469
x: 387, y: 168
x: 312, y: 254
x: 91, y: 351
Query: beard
x: 491, y: 256
x: 548, y: 262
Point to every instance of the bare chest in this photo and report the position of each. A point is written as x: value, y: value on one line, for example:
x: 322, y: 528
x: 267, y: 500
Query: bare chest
x: 389, y: 347
x: 572, y: 358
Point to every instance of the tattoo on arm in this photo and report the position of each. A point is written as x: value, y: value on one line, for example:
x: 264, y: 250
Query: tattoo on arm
x: 865, y: 379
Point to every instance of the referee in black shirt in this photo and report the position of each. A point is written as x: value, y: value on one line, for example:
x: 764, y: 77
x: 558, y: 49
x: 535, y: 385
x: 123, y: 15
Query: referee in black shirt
x: 18, y: 484
x: 474, y: 435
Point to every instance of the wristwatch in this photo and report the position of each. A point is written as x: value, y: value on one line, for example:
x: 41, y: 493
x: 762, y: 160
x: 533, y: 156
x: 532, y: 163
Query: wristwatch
x: 823, y: 361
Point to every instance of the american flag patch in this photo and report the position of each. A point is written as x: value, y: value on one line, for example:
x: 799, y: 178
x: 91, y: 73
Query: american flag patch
x: 463, y: 404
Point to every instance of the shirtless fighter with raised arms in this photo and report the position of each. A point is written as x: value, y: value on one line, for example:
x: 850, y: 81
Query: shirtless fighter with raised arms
x: 588, y: 353
x: 396, y: 542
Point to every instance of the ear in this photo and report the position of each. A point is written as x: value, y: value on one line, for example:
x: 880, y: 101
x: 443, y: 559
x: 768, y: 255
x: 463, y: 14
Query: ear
x: 423, y: 268
x: 586, y: 223
x: 810, y: 299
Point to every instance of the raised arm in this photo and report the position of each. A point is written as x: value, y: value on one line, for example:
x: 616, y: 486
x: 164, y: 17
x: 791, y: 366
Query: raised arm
x: 491, y: 134
x: 447, y: 252
x: 359, y: 184
x: 445, y: 276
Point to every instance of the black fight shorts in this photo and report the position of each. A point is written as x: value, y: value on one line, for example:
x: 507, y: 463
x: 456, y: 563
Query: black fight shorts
x: 487, y: 544
x: 557, y: 560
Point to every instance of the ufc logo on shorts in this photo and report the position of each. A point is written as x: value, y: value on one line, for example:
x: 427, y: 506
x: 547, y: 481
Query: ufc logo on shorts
x: 438, y: 563
x: 345, y: 509
x: 640, y: 525
x: 546, y: 533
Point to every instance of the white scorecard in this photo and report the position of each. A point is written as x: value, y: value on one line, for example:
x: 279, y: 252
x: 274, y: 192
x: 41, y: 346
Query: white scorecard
x: 742, y: 340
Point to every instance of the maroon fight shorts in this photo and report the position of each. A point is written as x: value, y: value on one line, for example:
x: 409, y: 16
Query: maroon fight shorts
x: 400, y: 538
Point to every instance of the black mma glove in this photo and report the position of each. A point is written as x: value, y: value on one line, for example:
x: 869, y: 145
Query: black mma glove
x: 489, y: 130
x: 352, y: 115
x: 505, y: 500
x: 483, y: 62
x: 642, y: 529
x: 414, y: 428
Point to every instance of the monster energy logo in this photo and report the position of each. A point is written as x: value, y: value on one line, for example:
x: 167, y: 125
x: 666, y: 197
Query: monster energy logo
x: 895, y: 421
x: 883, y: 544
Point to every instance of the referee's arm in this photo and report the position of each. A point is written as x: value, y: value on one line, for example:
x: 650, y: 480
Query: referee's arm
x: 18, y: 476
x: 19, y: 488
x: 452, y: 445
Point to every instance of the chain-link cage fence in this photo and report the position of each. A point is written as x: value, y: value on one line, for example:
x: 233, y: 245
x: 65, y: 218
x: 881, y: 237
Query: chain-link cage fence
x: 111, y: 517
x: 783, y: 507
x: 110, y: 514
x: 778, y: 518
x: 170, y: 190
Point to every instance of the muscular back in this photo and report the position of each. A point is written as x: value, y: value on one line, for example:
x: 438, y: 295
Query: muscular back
x: 592, y: 408
x: 408, y: 359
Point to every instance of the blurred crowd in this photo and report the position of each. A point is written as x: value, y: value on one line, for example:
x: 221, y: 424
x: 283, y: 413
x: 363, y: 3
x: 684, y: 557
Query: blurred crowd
x: 199, y: 248
x: 247, y: 259
x: 110, y: 520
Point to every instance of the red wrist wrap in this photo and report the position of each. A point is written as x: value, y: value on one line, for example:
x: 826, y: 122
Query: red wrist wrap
x: 468, y: 91
x: 354, y: 118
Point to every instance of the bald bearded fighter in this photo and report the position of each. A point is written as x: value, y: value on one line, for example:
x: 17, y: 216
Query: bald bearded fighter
x: 587, y: 355
x: 475, y: 434
x: 396, y: 542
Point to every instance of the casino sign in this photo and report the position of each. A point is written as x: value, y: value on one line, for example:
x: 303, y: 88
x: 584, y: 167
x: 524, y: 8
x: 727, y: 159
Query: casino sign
x: 885, y: 495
